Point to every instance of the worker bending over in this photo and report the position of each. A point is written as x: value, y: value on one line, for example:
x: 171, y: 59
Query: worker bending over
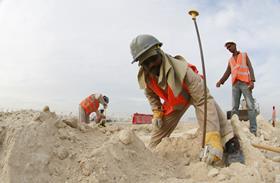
x: 178, y: 84
x: 90, y: 105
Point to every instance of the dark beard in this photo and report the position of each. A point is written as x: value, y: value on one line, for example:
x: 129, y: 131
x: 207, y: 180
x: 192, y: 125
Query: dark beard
x: 155, y: 70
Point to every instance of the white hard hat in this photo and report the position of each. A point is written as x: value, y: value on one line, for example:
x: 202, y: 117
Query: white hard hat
x: 228, y: 42
x: 141, y: 44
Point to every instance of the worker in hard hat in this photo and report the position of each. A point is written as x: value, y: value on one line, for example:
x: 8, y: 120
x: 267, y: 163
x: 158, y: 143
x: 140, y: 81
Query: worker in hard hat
x: 90, y: 105
x: 243, y: 78
x: 178, y: 84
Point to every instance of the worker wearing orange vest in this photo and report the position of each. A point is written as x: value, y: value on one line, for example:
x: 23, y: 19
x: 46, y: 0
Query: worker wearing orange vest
x: 178, y: 84
x: 90, y: 105
x: 243, y: 78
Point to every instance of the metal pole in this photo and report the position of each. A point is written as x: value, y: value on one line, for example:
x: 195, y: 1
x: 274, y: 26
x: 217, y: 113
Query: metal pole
x: 194, y: 14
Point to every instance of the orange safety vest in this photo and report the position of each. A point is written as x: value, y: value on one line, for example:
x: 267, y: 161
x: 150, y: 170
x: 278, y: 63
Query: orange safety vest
x: 239, y: 69
x: 90, y: 104
x: 172, y: 103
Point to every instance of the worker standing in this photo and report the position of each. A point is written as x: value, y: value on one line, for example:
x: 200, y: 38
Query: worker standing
x: 243, y: 78
x: 90, y: 105
x: 273, y: 116
x: 179, y: 85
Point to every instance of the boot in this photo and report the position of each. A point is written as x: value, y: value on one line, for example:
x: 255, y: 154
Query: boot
x: 233, y: 152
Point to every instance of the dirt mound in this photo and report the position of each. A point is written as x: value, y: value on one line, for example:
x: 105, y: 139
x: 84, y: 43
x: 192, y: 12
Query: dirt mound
x: 43, y: 147
x: 47, y: 148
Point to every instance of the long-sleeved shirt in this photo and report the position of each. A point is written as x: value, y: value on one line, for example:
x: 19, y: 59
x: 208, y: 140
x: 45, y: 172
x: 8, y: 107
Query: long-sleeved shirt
x: 228, y: 71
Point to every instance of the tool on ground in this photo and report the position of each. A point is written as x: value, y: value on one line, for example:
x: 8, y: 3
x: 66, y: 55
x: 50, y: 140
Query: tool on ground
x: 194, y: 14
x: 266, y: 147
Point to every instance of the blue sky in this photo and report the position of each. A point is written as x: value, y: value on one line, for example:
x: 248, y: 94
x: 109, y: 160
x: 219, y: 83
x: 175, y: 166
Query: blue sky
x: 57, y: 52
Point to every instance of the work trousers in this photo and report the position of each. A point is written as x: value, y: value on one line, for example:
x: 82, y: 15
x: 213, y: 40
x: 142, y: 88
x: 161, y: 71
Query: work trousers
x: 216, y: 119
x: 242, y: 88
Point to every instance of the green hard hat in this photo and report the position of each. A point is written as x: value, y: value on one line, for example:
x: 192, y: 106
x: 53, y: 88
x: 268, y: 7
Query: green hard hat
x: 141, y: 44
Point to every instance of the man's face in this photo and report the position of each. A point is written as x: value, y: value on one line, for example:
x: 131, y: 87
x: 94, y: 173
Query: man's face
x: 152, y: 64
x: 231, y: 47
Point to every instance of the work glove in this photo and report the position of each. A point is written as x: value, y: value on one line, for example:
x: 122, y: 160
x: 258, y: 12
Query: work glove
x: 213, y: 149
x: 157, y: 118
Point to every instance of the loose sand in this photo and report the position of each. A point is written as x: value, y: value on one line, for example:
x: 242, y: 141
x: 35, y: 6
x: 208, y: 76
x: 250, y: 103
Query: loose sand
x: 43, y: 147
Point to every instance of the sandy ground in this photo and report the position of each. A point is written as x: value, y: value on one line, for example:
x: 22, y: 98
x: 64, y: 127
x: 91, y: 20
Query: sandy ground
x: 43, y: 147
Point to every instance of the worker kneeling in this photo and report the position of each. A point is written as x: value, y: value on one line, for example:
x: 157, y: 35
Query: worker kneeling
x: 90, y: 105
x: 179, y: 85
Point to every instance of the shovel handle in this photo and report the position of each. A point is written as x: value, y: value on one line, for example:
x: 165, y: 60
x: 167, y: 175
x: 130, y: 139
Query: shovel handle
x: 266, y: 147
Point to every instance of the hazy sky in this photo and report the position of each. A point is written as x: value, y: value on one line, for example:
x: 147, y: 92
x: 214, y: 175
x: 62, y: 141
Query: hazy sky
x: 56, y: 52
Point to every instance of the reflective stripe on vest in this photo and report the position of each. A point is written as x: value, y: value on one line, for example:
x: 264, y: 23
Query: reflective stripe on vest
x: 171, y: 103
x: 239, y: 69
x: 90, y: 104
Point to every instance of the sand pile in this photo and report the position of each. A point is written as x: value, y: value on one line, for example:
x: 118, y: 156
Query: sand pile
x: 43, y: 147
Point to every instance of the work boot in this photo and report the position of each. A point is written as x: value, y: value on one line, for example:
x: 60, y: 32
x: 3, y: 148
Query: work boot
x: 233, y: 152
